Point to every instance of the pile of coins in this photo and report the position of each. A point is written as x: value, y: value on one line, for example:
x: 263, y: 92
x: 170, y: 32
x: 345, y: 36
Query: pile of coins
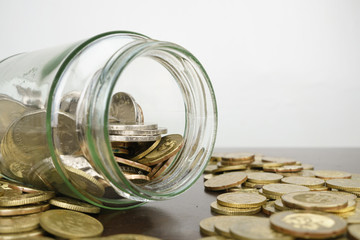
x: 300, y: 202
x: 139, y: 149
x: 28, y: 213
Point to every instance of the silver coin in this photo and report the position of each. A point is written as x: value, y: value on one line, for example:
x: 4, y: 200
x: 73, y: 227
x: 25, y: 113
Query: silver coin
x: 139, y: 132
x: 123, y: 108
x: 140, y: 114
x: 142, y: 126
x: 69, y: 102
x: 119, y: 138
x: 10, y: 110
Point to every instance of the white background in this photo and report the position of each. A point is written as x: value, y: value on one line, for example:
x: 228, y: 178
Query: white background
x: 286, y: 73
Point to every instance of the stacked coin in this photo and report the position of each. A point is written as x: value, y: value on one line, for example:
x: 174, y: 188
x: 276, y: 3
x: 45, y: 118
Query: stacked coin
x: 238, y: 203
x: 329, y: 195
x: 139, y: 149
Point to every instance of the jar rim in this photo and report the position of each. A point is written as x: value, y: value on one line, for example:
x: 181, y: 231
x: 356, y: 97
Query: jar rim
x: 104, y: 85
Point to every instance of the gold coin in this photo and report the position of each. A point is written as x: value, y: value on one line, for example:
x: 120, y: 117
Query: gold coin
x: 314, y: 201
x: 224, y: 163
x: 23, y: 210
x: 225, y: 181
x: 207, y: 224
x: 217, y: 208
x: 256, y: 164
x: 278, y: 204
x: 74, y: 204
x: 307, y: 166
x: 354, y: 231
x: 308, y: 224
x: 304, y: 181
x: 146, y: 151
x: 229, y: 168
x: 241, y: 200
x: 133, y: 164
x: 213, y: 238
x: 137, y: 178
x: 209, y: 168
x: 208, y: 176
x: 253, y: 185
x: 155, y: 169
x: 289, y: 169
x: 281, y: 188
x: 269, y: 208
x: 349, y: 185
x: 164, y: 166
x: 269, y: 196
x: 285, y: 161
x: 245, y: 190
x: 348, y: 196
x: 168, y: 147
x: 36, y: 234
x: 223, y: 227
x: 262, y: 177
x: 85, y: 182
x: 258, y: 229
x: 354, y: 217
x: 124, y: 236
x: 238, y: 156
x: 15, y: 224
x: 331, y: 174
x: 23, y: 199
x: 70, y: 224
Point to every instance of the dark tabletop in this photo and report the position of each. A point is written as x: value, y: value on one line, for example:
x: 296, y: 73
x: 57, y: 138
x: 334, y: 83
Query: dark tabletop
x: 179, y: 218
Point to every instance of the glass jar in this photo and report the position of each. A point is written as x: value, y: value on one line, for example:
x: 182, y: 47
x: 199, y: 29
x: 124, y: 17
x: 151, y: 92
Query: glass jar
x: 60, y: 106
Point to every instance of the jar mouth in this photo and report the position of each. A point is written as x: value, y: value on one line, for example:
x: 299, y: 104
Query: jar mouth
x: 200, y: 120
x: 92, y: 122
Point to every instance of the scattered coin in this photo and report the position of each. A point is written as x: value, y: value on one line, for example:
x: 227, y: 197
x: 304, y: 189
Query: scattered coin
x: 331, y: 174
x: 229, y: 168
x: 281, y: 189
x: 308, y: 224
x: 207, y: 224
x: 23, y: 210
x: 223, y: 227
x: 285, y: 161
x: 269, y: 208
x: 354, y: 231
x: 73, y: 204
x: 70, y: 224
x: 241, y: 200
x: 349, y: 185
x: 262, y: 177
x: 238, y: 156
x: 314, y: 201
x: 304, y: 181
x: 16, y: 224
x: 225, y: 181
x: 23, y: 199
x: 217, y: 208
x: 256, y: 230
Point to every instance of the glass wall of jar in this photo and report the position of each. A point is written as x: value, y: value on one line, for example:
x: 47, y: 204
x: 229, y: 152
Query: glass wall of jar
x: 116, y: 120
